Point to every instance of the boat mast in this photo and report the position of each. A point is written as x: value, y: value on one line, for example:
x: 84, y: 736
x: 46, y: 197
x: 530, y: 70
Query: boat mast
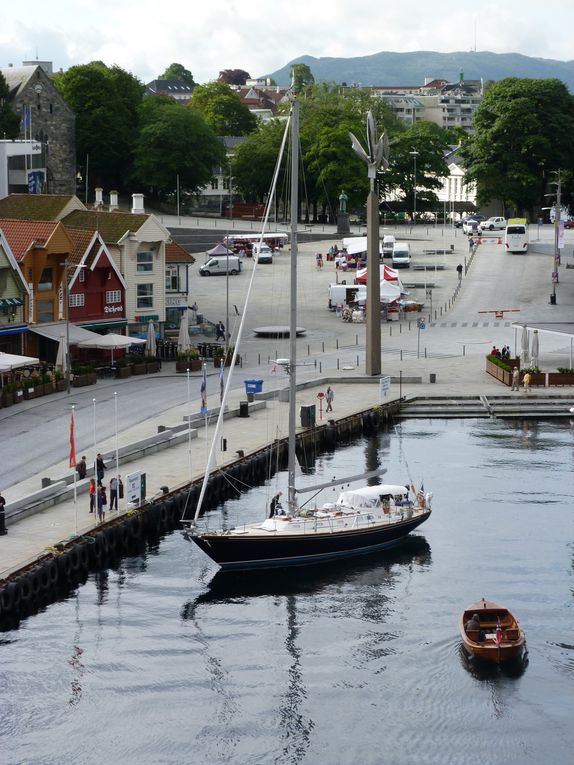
x: 293, y: 305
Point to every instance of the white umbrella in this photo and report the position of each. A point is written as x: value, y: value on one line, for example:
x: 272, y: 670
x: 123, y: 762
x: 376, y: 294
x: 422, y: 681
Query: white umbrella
x: 524, y: 355
x: 62, y: 356
x: 111, y: 341
x: 10, y: 361
x: 534, y: 351
x: 183, y: 340
x: 150, y: 344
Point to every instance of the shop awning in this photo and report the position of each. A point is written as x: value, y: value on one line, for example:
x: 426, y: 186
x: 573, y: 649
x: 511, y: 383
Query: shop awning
x: 59, y: 330
x: 104, y: 324
x: 7, y: 302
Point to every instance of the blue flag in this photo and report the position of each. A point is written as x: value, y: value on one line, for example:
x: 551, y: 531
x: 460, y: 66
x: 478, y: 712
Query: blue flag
x: 203, y: 409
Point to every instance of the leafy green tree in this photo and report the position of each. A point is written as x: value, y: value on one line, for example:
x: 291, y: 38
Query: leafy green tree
x: 430, y: 142
x: 222, y: 108
x: 9, y: 120
x: 254, y: 160
x: 177, y: 72
x: 301, y: 76
x: 234, y: 76
x: 522, y: 130
x: 174, y: 140
x: 106, y: 101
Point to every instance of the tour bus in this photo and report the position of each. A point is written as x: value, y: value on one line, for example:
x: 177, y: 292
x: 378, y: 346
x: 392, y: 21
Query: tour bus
x: 243, y: 243
x: 516, y: 235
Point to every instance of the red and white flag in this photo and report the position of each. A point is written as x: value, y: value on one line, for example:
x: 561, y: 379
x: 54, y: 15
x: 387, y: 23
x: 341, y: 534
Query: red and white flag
x: 72, y: 458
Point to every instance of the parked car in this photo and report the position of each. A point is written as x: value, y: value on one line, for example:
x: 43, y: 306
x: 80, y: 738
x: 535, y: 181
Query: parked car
x: 494, y: 223
x: 569, y: 223
x: 460, y: 223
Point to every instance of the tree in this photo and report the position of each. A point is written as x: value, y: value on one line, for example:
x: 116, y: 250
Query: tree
x: 177, y: 72
x: 9, y: 120
x: 234, y: 76
x: 222, y: 108
x: 301, y: 76
x: 522, y: 130
x: 430, y: 142
x: 174, y: 140
x: 106, y: 102
x: 254, y: 161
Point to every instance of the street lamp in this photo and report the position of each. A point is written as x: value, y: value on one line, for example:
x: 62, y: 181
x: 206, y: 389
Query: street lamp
x: 414, y: 155
x: 66, y: 300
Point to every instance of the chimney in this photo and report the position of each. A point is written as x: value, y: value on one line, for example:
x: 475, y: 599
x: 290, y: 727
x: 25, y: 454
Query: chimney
x: 138, y: 204
x: 113, y: 200
x: 99, y: 197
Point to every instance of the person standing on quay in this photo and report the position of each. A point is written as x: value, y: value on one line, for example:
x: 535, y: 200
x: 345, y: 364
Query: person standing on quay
x: 515, y: 379
x: 100, y: 468
x: 92, y: 493
x: 114, y: 487
x: 102, y: 502
x: 329, y: 396
x: 81, y: 469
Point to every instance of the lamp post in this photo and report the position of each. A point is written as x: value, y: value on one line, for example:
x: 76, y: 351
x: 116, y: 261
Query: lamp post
x: 376, y: 158
x: 557, y: 236
x: 414, y: 155
x: 66, y: 307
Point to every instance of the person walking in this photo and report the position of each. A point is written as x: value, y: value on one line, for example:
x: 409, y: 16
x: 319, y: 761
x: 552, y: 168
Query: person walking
x: 100, y: 468
x: 102, y: 502
x: 515, y: 379
x: 329, y: 396
x: 220, y: 331
x: 81, y: 469
x: 526, y: 382
x: 114, y: 489
x: 459, y: 269
x: 92, y: 493
x: 470, y: 243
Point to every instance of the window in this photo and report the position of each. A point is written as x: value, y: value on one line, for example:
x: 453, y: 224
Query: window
x: 82, y: 276
x: 145, y: 296
x: 172, y: 278
x: 45, y: 282
x: 45, y: 310
x: 145, y: 261
x: 77, y: 300
x: 214, y: 184
x: 113, y: 296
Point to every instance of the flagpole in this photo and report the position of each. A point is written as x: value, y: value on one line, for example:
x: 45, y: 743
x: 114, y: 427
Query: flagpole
x: 95, y: 442
x: 189, y: 424
x: 73, y: 454
x: 117, y: 453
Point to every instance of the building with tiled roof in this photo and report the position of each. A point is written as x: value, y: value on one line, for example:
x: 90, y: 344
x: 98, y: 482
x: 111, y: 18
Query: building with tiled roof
x: 39, y: 206
x: 14, y: 291
x: 46, y: 118
x: 176, y: 89
x: 177, y: 282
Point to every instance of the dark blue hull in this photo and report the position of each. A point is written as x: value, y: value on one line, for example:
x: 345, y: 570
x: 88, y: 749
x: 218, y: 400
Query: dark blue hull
x: 266, y: 551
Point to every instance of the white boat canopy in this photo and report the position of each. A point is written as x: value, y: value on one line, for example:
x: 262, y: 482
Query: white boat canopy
x: 369, y: 496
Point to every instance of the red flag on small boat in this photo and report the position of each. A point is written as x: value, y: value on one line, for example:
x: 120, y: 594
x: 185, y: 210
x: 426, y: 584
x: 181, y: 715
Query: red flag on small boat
x: 498, y: 636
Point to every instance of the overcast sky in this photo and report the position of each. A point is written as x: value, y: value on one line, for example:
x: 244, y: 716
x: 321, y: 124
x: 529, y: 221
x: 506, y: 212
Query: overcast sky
x: 261, y: 36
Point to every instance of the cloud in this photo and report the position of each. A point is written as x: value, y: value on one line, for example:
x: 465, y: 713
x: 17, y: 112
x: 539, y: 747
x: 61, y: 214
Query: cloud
x: 264, y: 35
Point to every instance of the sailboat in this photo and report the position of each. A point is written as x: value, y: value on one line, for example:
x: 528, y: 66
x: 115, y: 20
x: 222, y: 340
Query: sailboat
x: 361, y: 521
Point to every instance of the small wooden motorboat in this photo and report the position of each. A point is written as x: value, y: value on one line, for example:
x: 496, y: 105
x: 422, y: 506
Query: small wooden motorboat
x: 490, y: 632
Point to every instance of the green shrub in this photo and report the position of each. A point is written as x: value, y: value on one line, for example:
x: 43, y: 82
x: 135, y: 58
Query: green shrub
x: 565, y: 370
x: 499, y: 362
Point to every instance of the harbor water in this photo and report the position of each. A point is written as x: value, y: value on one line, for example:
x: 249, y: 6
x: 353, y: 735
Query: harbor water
x: 163, y: 659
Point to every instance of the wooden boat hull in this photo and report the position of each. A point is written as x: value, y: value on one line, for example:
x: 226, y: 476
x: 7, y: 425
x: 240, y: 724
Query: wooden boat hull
x: 484, y: 644
x: 272, y: 550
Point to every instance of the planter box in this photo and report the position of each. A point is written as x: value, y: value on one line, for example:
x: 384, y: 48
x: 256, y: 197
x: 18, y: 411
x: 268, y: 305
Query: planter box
x: 7, y: 398
x: 29, y: 393
x: 139, y: 369
x: 217, y: 361
x: 560, y: 378
x: 61, y: 385
x: 80, y: 381
x: 498, y: 373
x: 152, y: 366
x: 18, y: 396
x: 123, y: 372
x: 182, y: 365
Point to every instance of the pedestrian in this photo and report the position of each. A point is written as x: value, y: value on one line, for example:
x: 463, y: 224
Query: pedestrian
x: 194, y: 312
x: 459, y: 269
x: 114, y: 490
x: 275, y: 508
x: 329, y: 396
x: 470, y: 243
x: 526, y: 382
x: 100, y: 468
x: 2, y: 503
x: 515, y: 379
x: 220, y: 331
x: 102, y: 502
x: 92, y: 493
x: 81, y: 469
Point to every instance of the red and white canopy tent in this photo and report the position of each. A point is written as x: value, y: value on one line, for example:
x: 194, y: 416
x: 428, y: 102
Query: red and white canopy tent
x: 387, y: 273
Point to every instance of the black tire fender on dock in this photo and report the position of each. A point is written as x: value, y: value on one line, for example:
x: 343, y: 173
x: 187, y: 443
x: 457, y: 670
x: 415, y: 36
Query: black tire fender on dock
x: 64, y: 565
x: 26, y: 590
x: 75, y: 560
x: 135, y: 527
x: 53, y: 571
x: 111, y: 538
x: 11, y: 595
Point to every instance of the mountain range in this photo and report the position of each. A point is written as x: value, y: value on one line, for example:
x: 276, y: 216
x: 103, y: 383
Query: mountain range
x: 389, y: 68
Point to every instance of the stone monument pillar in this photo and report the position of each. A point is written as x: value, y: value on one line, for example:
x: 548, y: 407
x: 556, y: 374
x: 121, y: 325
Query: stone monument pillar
x: 343, y: 227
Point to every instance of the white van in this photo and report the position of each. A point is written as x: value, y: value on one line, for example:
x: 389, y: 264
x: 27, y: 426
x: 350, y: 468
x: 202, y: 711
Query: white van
x: 388, y: 244
x: 401, y: 255
x: 263, y: 253
x: 227, y: 264
x: 516, y: 235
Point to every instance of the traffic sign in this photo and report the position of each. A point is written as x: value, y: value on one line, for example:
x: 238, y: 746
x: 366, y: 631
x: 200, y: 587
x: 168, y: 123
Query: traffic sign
x: 421, y: 323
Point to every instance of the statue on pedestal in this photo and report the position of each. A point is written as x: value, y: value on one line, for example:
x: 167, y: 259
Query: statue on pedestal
x: 343, y: 199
